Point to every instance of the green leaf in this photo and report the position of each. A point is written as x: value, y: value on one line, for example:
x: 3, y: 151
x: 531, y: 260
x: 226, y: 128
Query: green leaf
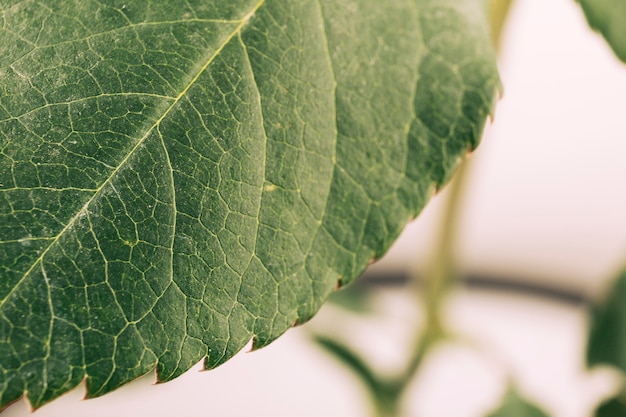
x: 177, y: 178
x: 609, y: 18
x: 352, y: 361
x: 615, y: 407
x: 607, y: 337
x: 515, y: 406
x: 384, y: 392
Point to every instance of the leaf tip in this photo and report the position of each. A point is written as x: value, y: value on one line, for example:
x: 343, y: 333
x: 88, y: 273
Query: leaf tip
x: 339, y: 283
x: 206, y: 366
x: 499, y: 93
x: 4, y: 406
x: 158, y: 378
x: 435, y: 188
x: 255, y: 345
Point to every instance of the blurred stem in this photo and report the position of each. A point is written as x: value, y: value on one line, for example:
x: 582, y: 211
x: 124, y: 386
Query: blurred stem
x: 442, y: 272
x: 497, y: 18
x: 387, y: 393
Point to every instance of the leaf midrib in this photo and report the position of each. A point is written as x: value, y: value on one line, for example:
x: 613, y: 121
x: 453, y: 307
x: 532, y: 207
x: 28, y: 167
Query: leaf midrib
x: 182, y: 94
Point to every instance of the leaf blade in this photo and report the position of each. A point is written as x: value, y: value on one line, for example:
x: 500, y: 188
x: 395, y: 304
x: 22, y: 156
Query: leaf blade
x: 195, y: 162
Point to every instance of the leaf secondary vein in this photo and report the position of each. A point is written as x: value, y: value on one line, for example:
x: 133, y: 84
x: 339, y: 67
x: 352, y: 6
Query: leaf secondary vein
x: 67, y: 227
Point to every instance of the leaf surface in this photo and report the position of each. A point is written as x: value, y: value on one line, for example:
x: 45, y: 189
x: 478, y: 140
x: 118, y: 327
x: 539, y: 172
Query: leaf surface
x: 177, y: 178
x: 609, y: 18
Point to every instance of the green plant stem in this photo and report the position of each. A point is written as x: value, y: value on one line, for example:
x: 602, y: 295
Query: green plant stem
x: 387, y: 393
x: 497, y: 18
x: 442, y: 272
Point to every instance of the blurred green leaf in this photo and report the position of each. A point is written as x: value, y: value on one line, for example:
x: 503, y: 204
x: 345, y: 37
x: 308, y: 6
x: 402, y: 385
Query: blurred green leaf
x: 609, y: 18
x: 607, y: 338
x: 350, y: 359
x: 614, y: 407
x: 385, y: 393
x: 515, y: 406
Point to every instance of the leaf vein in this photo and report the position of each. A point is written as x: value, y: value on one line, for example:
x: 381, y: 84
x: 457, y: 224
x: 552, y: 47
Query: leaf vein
x: 133, y: 150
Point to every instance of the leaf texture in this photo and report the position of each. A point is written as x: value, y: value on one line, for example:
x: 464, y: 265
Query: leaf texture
x: 609, y: 18
x: 177, y: 178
